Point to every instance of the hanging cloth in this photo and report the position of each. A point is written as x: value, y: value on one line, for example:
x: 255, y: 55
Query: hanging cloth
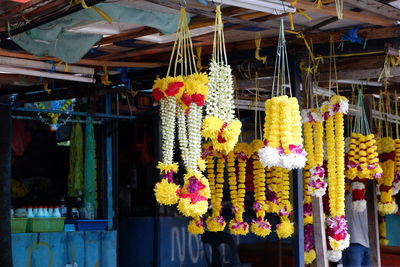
x: 75, y: 176
x: 90, y: 196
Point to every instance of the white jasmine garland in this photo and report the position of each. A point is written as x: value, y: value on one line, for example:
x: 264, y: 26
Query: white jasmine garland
x: 182, y: 135
x: 220, y: 99
x: 194, y: 134
x: 167, y: 113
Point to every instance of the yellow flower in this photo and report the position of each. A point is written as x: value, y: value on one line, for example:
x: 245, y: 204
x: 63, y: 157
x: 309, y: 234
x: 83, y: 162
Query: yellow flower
x: 285, y: 229
x: 166, y: 192
x: 195, y: 226
x: 309, y: 256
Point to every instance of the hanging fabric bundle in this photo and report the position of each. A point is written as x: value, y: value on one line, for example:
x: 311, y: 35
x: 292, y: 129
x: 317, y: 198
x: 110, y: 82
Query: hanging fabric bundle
x: 283, y: 142
x: 220, y: 124
x: 363, y: 160
x: 183, y: 95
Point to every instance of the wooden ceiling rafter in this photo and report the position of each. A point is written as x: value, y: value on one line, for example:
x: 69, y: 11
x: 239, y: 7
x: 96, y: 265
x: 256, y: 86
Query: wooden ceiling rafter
x: 377, y: 8
x: 347, y: 14
x: 316, y: 38
x: 87, y: 62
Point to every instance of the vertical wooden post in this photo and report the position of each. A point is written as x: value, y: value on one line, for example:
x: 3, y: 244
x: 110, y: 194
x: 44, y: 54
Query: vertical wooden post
x: 319, y: 232
x: 370, y: 197
x: 5, y: 183
x: 297, y: 176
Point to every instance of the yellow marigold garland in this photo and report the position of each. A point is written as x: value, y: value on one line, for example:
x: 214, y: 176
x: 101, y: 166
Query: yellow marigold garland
x: 260, y: 226
x: 283, y: 143
x: 216, y: 222
x: 396, y: 182
x: 336, y: 223
x: 285, y: 228
x: 387, y: 205
x: 237, y: 226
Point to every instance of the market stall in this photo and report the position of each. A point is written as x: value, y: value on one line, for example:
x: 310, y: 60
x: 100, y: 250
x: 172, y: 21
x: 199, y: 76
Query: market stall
x: 198, y: 133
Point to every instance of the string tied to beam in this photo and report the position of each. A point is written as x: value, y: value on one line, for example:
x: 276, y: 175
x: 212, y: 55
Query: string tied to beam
x: 100, y: 12
x: 257, y: 42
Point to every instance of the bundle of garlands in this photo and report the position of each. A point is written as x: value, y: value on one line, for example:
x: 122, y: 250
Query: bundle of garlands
x: 283, y: 142
x: 363, y: 158
x: 220, y: 124
x: 182, y: 97
x: 333, y: 113
x: 314, y: 184
x: 387, y: 156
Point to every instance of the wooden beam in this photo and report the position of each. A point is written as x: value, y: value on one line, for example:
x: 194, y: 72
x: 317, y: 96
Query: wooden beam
x: 317, y: 38
x: 360, y: 74
x: 87, y: 62
x: 377, y: 8
x: 347, y: 14
x: 37, y: 64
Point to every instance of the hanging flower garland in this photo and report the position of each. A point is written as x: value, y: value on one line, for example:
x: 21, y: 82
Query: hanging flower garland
x: 260, y: 226
x: 285, y: 228
x: 396, y: 182
x: 238, y: 190
x: 283, y: 143
x: 165, y: 90
x: 216, y: 223
x: 195, y: 192
x: 313, y: 141
x: 387, y: 205
x: 382, y: 231
x: 363, y: 160
x: 336, y: 223
x: 272, y: 205
x: 220, y: 124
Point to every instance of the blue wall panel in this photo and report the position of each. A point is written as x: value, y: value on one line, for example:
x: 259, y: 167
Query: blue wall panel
x: 87, y: 249
x: 392, y: 230
x: 176, y: 247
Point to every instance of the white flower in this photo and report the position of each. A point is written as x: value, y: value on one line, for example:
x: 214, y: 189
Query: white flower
x: 334, y: 255
x: 359, y: 205
x: 269, y: 157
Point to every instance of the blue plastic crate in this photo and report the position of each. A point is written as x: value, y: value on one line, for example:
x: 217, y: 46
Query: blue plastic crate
x: 89, y: 225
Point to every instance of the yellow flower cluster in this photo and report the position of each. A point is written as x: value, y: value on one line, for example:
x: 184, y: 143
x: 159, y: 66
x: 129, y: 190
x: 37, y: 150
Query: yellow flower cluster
x: 319, y: 143
x: 216, y: 223
x: 331, y: 157
x: 387, y: 204
x: 193, y: 207
x: 238, y: 191
x: 386, y: 145
x: 309, y: 256
x: 382, y: 232
x: 282, y: 134
x: 363, y: 157
x: 285, y: 228
x: 224, y: 136
x: 340, y: 165
x: 309, y: 147
x: 273, y: 175
x: 397, y: 157
x: 166, y: 193
x: 195, y: 226
x: 260, y: 226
